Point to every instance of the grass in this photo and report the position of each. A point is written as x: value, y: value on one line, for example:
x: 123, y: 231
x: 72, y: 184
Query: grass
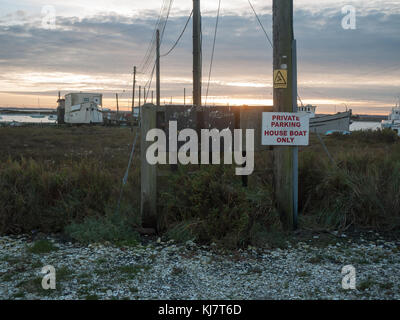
x: 42, y: 246
x: 68, y: 180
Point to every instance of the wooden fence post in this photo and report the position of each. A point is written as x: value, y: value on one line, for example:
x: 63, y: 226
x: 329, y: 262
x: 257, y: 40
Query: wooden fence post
x: 148, y: 204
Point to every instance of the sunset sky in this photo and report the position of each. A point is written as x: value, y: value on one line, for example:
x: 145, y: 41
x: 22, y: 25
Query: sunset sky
x: 95, y: 45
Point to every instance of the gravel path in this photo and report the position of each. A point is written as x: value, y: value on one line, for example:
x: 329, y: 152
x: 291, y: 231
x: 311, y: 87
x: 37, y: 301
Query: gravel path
x: 161, y: 270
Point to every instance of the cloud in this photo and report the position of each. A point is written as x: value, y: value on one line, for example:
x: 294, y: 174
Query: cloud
x: 99, y: 51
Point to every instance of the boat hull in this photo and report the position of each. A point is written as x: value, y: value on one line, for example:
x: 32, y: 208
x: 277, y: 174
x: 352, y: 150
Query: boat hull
x: 340, y: 121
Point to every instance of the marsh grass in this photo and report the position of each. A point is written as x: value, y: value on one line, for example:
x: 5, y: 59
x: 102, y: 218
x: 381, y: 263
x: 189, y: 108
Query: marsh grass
x: 69, y: 180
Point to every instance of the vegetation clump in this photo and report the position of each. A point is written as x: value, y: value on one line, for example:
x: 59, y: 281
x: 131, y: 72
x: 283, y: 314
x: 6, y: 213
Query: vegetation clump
x: 74, y: 185
x: 210, y: 205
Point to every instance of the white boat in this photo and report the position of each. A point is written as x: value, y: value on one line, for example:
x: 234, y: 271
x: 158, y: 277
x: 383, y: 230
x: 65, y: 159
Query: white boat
x: 327, y: 122
x: 393, y: 121
x: 83, y: 108
x: 52, y: 117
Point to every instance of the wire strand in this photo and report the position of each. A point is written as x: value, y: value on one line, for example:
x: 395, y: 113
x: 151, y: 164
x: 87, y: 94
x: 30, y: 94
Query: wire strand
x: 180, y: 36
x: 213, y: 50
x: 259, y: 21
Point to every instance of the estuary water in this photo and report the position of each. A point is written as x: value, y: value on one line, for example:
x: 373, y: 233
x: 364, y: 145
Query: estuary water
x: 25, y: 118
x: 364, y: 125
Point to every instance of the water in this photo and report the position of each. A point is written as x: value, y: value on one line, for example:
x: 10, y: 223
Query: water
x: 25, y: 118
x: 364, y: 125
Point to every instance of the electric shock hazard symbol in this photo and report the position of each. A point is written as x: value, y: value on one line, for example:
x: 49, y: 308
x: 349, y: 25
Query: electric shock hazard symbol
x: 280, y: 79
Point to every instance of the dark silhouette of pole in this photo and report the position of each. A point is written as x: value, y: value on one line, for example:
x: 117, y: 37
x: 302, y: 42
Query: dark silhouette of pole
x: 116, y: 97
x: 158, y: 69
x: 283, y: 102
x: 133, y: 94
x: 140, y: 95
x: 196, y: 53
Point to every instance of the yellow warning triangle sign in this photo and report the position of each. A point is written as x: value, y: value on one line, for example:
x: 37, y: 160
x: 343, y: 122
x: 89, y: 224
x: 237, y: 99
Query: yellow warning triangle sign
x: 280, y: 78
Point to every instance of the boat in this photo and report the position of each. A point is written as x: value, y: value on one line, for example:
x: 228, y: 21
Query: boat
x: 393, y: 121
x: 52, y: 117
x: 83, y: 108
x: 37, y: 116
x: 322, y: 123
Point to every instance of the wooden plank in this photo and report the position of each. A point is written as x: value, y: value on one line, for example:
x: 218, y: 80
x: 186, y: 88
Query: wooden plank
x: 251, y: 118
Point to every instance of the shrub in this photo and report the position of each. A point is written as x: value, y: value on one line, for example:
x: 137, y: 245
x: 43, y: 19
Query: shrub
x: 34, y: 196
x: 363, y: 190
x: 211, y: 206
x: 113, y: 228
x: 42, y: 246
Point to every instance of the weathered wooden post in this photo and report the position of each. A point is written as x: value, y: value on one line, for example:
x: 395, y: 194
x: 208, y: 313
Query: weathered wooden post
x: 284, y: 174
x: 133, y: 95
x: 117, y: 117
x: 148, y: 174
x: 158, y: 76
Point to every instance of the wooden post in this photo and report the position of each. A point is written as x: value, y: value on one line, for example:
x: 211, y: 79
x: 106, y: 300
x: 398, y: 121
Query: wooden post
x: 148, y: 174
x: 295, y: 150
x: 197, y: 68
x: 158, y: 68
x: 133, y: 95
x: 283, y: 102
x: 140, y: 95
x: 196, y: 53
x: 140, y: 106
x: 117, y: 117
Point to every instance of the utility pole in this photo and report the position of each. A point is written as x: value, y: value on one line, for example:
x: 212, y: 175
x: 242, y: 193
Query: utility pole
x: 196, y: 53
x: 158, y: 69
x: 116, y: 96
x: 140, y: 95
x: 152, y: 94
x: 184, y: 97
x: 144, y: 95
x: 197, y: 66
x: 133, y: 94
x: 285, y: 100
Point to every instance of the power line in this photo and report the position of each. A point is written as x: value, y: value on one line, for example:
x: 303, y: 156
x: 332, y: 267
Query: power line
x: 266, y: 34
x: 152, y: 41
x: 213, y: 49
x: 153, y: 45
x: 259, y: 21
x: 160, y: 25
x: 180, y: 36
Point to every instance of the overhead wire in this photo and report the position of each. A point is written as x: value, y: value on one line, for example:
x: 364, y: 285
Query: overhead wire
x: 180, y: 36
x: 262, y: 26
x: 213, y: 50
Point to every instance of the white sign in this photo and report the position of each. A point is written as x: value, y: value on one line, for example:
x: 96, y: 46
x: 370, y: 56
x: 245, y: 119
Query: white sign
x: 285, y: 129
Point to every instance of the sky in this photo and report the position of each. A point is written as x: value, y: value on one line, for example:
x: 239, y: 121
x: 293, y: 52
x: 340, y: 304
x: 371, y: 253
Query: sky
x: 95, y: 44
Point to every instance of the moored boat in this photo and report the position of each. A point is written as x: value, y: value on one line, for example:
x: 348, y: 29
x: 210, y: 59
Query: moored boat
x: 393, y: 121
x: 329, y: 122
